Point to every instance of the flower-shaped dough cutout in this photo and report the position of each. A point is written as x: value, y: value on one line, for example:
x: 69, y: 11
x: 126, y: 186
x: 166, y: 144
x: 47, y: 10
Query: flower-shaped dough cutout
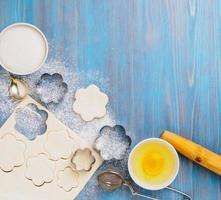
x: 51, y: 88
x: 67, y: 179
x: 31, y: 121
x: 90, y: 103
x: 113, y: 142
x: 83, y: 160
x: 12, y: 152
x: 39, y: 169
x: 59, y: 145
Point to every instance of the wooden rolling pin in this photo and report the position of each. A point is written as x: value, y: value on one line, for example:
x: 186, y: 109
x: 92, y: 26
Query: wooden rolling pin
x: 195, y: 152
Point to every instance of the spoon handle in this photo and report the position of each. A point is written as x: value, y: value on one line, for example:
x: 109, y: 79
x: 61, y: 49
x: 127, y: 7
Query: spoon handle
x: 186, y: 196
x: 137, y: 194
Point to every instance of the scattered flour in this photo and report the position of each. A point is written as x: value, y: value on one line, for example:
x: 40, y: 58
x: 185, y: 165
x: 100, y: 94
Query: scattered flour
x: 64, y: 112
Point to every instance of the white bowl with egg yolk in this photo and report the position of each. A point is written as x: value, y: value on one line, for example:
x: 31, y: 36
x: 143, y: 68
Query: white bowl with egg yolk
x: 153, y: 164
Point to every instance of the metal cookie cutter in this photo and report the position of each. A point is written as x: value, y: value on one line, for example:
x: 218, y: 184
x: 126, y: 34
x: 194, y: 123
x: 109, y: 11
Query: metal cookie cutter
x: 113, y: 135
x: 83, y: 159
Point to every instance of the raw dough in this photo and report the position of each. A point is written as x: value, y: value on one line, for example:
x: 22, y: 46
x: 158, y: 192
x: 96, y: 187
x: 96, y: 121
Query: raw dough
x: 90, y: 103
x: 67, y: 179
x: 29, y: 180
x: 83, y: 160
x: 59, y: 145
x: 12, y: 152
x: 40, y: 169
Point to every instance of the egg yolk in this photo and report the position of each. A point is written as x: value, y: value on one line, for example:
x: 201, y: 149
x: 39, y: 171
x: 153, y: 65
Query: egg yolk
x: 153, y: 164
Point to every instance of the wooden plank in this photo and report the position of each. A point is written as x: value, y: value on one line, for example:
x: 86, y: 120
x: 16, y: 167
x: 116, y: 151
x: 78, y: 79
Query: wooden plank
x: 162, y: 60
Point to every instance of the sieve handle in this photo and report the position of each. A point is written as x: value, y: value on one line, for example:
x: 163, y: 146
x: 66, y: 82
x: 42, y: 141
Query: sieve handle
x: 126, y: 183
x: 186, y: 196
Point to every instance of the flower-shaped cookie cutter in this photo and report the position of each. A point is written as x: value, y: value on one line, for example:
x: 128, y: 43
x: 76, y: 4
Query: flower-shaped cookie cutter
x: 113, y: 142
x: 51, y: 88
x: 83, y: 159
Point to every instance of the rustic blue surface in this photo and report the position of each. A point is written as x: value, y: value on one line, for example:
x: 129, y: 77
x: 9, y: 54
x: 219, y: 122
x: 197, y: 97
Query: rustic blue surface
x: 163, y: 62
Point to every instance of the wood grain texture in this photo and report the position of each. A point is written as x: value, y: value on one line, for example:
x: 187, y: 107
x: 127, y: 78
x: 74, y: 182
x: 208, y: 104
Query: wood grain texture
x: 163, y: 62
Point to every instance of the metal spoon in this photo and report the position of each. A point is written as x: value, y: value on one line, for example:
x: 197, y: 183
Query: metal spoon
x: 18, y: 89
x: 110, y: 180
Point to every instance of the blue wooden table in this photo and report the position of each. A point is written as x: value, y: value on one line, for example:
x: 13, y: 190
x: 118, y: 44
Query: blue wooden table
x: 162, y: 60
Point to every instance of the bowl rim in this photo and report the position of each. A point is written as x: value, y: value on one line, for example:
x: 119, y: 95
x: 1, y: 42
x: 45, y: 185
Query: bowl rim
x: 42, y: 35
x: 166, y: 183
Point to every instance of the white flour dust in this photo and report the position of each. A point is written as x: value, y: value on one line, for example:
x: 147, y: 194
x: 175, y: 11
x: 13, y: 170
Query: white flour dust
x: 63, y: 111
x: 7, y: 104
x: 46, y: 93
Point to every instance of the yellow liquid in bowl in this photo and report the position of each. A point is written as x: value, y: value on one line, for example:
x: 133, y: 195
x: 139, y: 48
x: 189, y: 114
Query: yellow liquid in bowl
x: 153, y: 163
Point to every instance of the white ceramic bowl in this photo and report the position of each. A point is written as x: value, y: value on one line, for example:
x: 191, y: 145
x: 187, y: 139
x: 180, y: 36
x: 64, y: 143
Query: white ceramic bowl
x: 163, y: 184
x: 27, y: 45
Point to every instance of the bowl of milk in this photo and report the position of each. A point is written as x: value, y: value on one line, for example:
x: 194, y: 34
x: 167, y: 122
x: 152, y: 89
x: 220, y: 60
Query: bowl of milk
x: 23, y: 48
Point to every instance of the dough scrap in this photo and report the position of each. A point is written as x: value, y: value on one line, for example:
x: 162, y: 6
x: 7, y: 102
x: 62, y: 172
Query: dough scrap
x: 67, y: 179
x: 83, y: 160
x: 12, y: 152
x: 59, y: 145
x: 90, y: 103
x: 16, y: 185
x: 40, y: 170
